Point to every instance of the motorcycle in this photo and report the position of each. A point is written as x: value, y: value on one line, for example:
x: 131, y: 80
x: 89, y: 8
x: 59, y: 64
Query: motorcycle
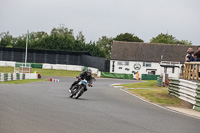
x: 78, y: 89
x: 39, y: 76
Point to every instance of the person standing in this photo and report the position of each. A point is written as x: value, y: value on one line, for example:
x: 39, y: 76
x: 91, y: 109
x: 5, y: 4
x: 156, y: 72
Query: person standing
x: 197, y: 53
x: 190, y: 55
x: 137, y: 75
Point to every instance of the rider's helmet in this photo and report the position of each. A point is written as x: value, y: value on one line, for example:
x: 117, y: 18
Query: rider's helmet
x: 89, y: 72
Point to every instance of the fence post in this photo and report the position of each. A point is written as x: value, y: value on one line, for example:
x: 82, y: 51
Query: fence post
x: 186, y: 71
x: 189, y: 76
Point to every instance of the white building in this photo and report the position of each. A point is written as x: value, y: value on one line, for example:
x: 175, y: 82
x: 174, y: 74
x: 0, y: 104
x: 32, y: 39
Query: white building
x: 146, y: 58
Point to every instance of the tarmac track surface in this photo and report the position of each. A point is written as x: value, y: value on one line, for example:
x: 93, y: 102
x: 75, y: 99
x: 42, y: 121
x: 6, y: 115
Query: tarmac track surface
x: 45, y: 107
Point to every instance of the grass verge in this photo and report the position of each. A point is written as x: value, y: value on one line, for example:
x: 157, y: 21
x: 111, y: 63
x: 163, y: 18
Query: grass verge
x: 50, y: 72
x: 155, y: 94
x: 44, y: 72
x: 6, y: 69
x: 158, y: 96
x: 146, y: 84
x: 23, y: 81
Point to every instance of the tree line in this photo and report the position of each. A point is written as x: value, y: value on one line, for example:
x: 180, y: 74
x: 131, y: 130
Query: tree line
x: 62, y: 38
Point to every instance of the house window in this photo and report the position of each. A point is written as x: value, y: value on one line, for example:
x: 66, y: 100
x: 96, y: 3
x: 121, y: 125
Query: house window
x: 124, y: 63
x: 147, y: 64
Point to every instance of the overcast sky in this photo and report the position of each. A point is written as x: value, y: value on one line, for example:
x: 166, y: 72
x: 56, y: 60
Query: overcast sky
x: 96, y: 18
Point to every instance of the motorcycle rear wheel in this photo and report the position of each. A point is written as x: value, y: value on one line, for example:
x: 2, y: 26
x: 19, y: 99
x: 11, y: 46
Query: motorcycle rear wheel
x: 73, y: 91
x: 79, y: 93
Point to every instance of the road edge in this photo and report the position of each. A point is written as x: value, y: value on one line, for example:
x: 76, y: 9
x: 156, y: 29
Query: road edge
x: 163, y: 107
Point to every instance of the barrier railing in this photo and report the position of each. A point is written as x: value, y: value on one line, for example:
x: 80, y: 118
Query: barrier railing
x: 191, y: 70
x: 17, y: 76
x: 186, y: 90
x: 11, y: 76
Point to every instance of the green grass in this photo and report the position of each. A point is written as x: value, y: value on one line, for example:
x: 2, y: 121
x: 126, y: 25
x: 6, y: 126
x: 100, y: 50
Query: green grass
x: 23, y: 81
x: 50, y: 72
x: 45, y: 72
x: 154, y: 93
x: 147, y: 84
x: 6, y: 69
x: 159, y: 96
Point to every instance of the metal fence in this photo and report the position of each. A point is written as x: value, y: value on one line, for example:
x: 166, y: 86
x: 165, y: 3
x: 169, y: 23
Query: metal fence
x: 54, y: 57
x: 101, y: 63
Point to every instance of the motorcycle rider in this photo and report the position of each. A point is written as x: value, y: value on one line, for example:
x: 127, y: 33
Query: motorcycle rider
x: 87, y: 75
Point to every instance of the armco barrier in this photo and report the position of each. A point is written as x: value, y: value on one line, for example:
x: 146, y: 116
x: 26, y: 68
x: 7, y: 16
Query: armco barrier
x: 159, y: 81
x: 63, y: 67
x: 186, y: 90
x: 56, y: 67
x: 47, y: 66
x: 10, y: 64
x: 17, y: 76
x: 51, y: 66
x: 66, y: 67
x: 11, y: 76
x: 197, y: 105
x: 116, y: 75
x: 2, y: 63
x: 69, y: 67
x: 31, y: 75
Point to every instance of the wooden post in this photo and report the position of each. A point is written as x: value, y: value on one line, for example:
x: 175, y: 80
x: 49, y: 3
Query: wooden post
x: 193, y: 73
x: 189, y: 73
x: 186, y: 71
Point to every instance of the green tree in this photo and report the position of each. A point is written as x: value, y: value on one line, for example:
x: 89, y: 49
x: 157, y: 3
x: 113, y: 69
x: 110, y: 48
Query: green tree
x: 129, y: 37
x: 94, y: 49
x: 6, y: 39
x: 62, y: 31
x: 80, y: 43
x: 184, y: 42
x: 80, y: 37
x: 60, y: 38
x: 168, y: 39
x: 19, y: 42
x: 164, y: 38
x: 105, y: 44
x: 36, y: 40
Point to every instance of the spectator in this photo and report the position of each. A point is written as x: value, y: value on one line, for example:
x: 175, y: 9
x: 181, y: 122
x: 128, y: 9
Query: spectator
x: 190, y: 55
x: 197, y: 53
